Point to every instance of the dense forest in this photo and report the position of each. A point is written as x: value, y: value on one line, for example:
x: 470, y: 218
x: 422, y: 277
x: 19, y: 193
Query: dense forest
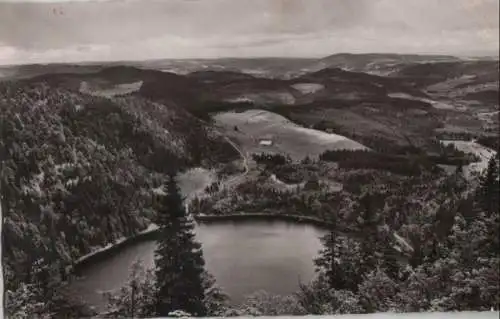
x: 400, y: 164
x: 78, y: 173
x: 489, y: 141
x: 320, y: 188
x: 453, y: 263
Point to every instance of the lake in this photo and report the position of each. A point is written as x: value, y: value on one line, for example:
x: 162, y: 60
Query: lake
x: 244, y: 256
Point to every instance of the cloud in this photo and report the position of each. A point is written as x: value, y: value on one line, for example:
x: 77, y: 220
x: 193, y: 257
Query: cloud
x: 12, y: 55
x: 141, y: 29
x: 7, y: 54
x: 316, y: 44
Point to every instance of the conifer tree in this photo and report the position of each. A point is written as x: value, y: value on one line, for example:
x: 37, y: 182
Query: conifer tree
x: 326, y: 262
x: 373, y: 239
x: 178, y: 258
x: 136, y: 299
x: 489, y: 188
x: 339, y: 262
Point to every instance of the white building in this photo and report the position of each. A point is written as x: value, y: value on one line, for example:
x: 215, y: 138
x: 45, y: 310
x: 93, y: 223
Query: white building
x: 265, y: 143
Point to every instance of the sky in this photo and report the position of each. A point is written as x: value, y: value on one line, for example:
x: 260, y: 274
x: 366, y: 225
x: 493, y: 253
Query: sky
x: 41, y: 31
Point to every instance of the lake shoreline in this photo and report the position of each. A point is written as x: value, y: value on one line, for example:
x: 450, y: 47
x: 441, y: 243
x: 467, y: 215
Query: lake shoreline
x: 151, y: 232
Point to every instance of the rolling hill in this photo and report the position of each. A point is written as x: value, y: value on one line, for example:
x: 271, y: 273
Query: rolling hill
x: 86, y: 147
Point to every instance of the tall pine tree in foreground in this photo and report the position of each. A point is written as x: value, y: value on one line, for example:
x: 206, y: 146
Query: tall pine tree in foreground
x: 178, y: 259
x: 489, y: 188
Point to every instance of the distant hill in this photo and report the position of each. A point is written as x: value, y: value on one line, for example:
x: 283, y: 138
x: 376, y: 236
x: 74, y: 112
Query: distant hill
x: 377, y: 63
x: 419, y: 91
x: 31, y: 70
x: 480, y: 71
x: 261, y: 67
x: 88, y: 145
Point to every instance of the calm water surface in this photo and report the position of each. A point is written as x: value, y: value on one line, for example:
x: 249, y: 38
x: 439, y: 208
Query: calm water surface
x: 244, y: 256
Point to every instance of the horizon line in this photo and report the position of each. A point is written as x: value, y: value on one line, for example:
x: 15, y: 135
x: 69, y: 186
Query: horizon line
x: 98, y: 62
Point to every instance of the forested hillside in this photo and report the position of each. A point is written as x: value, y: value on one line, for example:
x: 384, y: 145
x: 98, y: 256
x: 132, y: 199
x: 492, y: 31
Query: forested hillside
x: 451, y: 261
x: 411, y: 231
x: 78, y: 171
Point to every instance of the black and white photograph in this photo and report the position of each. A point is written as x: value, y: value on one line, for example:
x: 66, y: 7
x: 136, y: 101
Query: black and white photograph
x: 328, y: 159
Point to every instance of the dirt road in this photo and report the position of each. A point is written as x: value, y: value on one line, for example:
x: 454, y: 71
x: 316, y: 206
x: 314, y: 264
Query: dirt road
x: 234, y: 180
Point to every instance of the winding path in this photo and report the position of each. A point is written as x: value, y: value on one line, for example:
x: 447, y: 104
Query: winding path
x: 234, y: 180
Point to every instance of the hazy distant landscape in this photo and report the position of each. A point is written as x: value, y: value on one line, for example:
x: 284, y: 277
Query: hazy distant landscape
x: 392, y: 159
x: 249, y: 158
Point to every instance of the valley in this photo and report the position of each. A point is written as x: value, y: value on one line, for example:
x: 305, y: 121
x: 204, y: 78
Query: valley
x: 387, y: 153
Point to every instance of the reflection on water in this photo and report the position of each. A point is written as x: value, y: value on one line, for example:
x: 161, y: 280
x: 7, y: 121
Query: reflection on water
x: 244, y: 256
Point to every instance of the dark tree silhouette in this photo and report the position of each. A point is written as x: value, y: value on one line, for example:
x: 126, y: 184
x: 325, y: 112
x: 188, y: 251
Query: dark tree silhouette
x: 178, y: 258
x: 489, y: 188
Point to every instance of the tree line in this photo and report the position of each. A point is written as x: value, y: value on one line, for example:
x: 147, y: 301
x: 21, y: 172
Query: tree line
x: 67, y: 176
x: 455, y: 270
x: 78, y: 172
x: 399, y: 164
